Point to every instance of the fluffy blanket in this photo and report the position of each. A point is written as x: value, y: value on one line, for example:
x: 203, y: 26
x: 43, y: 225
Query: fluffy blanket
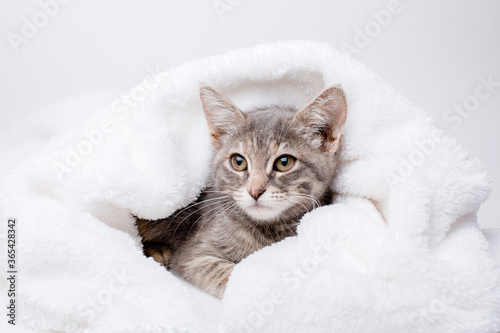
x: 399, y: 251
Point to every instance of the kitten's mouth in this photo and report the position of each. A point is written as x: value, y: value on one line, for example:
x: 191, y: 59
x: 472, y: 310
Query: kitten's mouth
x: 261, y: 211
x: 257, y: 206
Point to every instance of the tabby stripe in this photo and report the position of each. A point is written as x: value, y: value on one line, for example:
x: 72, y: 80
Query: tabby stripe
x: 313, y: 169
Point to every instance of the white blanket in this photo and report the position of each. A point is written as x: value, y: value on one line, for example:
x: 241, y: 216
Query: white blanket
x: 399, y: 251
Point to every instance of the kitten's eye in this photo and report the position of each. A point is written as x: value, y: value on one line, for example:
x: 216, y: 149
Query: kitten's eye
x: 284, y: 163
x: 238, y: 162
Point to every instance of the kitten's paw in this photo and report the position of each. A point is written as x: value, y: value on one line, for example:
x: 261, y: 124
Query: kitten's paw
x: 160, y: 253
x: 209, y: 273
x: 162, y: 257
x: 218, y: 285
x: 221, y: 288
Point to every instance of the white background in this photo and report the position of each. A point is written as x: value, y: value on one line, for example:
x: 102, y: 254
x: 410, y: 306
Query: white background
x: 433, y: 52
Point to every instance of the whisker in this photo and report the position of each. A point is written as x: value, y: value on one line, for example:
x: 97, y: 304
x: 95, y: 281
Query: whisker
x: 314, y: 200
x: 217, y: 208
x: 312, y: 197
x: 196, y: 204
x: 294, y: 211
x: 223, y: 209
x: 298, y: 202
x: 210, y: 204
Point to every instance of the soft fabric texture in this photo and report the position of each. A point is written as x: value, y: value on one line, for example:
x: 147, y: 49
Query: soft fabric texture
x: 399, y: 251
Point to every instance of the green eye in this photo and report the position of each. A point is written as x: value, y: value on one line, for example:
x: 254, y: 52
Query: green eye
x: 238, y: 162
x: 284, y: 163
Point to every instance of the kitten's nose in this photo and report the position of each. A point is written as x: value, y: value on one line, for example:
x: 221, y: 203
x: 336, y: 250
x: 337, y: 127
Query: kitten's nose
x: 256, y: 192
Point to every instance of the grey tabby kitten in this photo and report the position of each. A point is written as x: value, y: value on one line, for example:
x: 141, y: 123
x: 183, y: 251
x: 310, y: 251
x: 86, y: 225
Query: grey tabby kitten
x: 270, y: 167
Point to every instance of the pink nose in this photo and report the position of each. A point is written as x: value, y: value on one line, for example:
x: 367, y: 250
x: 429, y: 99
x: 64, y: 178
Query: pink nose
x: 256, y: 192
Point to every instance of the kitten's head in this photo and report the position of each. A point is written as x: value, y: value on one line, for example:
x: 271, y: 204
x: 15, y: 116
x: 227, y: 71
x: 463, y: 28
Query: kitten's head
x: 275, y: 162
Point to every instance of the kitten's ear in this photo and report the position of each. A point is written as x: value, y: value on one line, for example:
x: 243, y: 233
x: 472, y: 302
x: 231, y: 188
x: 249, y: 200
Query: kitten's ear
x: 222, y: 116
x: 323, y: 120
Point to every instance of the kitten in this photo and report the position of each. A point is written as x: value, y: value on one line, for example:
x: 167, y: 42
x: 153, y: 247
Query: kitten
x: 270, y: 167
